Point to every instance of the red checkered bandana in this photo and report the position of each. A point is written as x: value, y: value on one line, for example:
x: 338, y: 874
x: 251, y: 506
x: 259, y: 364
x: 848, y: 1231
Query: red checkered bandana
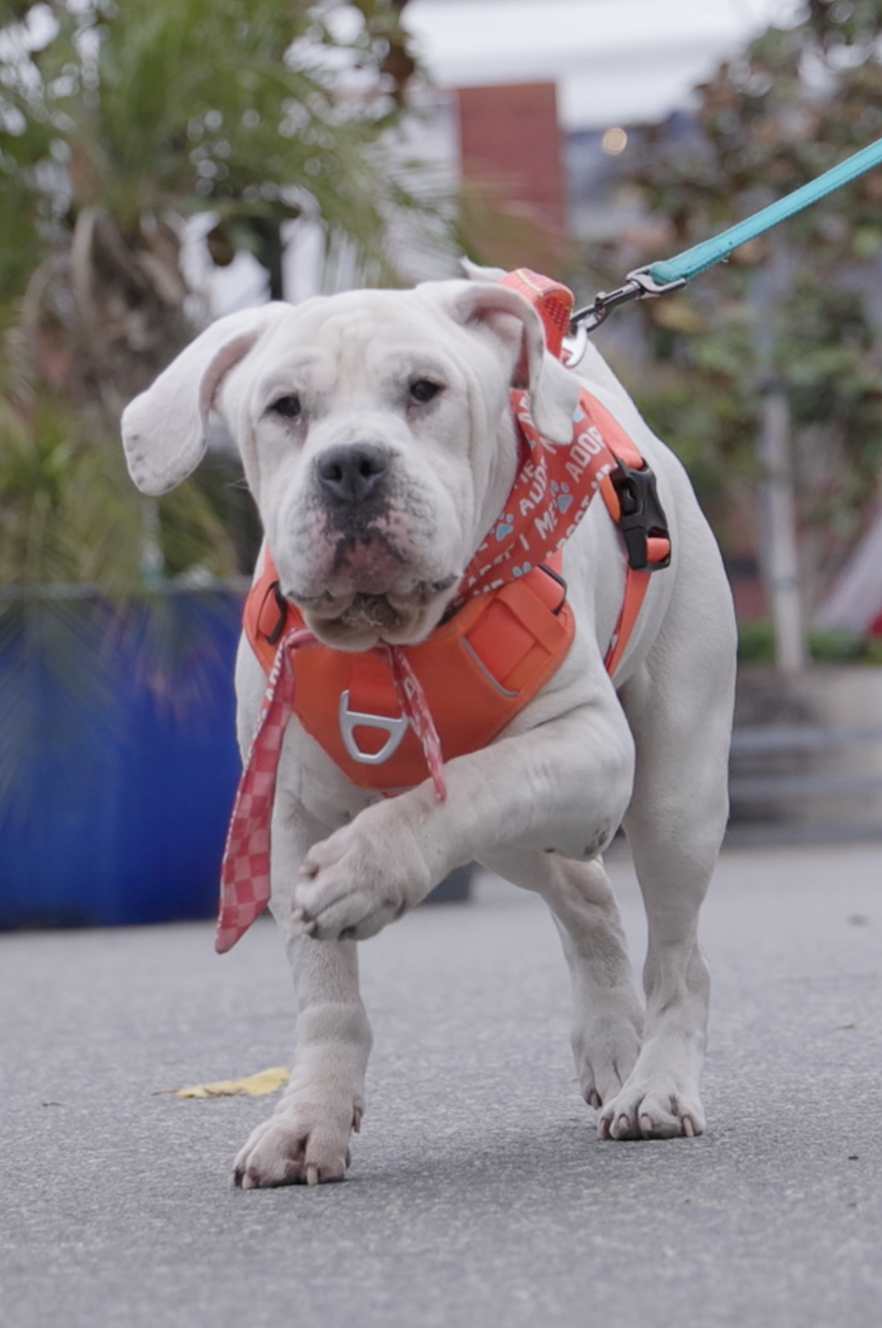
x: 550, y: 495
x: 245, y: 871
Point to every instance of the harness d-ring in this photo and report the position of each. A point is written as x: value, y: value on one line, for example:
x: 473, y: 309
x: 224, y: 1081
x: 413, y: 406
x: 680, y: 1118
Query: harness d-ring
x: 349, y: 720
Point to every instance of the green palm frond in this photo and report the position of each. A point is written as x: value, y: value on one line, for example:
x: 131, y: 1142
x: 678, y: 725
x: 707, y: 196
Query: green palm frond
x: 70, y: 514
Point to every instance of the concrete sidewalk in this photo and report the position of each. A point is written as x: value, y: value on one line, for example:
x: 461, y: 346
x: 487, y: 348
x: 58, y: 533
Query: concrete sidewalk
x: 479, y: 1193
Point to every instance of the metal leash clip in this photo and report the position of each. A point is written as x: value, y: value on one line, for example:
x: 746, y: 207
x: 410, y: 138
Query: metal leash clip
x: 638, y: 285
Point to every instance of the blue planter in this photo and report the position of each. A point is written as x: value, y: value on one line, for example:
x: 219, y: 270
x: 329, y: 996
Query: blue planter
x: 119, y: 760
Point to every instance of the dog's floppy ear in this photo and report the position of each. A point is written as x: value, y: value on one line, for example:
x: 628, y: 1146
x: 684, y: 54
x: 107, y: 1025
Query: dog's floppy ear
x: 477, y: 272
x: 554, y: 391
x: 164, y: 428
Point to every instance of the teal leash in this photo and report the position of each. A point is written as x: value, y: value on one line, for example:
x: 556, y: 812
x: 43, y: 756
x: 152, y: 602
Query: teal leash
x: 671, y: 274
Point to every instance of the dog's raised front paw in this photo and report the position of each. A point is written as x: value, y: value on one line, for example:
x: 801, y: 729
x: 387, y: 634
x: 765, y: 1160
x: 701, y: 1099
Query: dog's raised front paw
x: 360, y: 879
x: 661, y: 1108
x: 294, y: 1148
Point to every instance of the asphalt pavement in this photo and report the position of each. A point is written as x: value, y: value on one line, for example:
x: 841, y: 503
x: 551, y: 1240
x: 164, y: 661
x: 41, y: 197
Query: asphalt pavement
x: 479, y: 1192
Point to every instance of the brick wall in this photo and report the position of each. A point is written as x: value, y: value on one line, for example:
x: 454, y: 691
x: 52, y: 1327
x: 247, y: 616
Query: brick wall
x: 510, y: 139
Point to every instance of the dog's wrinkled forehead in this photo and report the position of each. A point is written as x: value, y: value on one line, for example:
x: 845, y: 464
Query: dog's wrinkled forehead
x: 357, y: 342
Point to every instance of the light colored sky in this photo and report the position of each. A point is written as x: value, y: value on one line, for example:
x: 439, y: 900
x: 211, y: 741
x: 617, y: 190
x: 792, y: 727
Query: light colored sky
x: 614, y: 61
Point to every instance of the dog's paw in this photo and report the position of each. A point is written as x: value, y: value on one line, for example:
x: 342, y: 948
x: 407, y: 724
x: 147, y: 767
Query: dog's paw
x: 296, y: 1147
x: 360, y: 879
x: 660, y: 1108
x: 606, y: 1044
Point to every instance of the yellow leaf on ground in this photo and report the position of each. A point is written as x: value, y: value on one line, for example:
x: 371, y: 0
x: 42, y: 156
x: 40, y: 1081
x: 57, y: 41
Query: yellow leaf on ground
x: 255, y: 1085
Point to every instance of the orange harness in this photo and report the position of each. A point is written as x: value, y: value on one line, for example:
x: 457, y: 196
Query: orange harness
x: 484, y: 664
x: 477, y: 670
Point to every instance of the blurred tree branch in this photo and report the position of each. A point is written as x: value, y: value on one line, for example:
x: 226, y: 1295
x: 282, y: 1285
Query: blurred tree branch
x: 793, y: 104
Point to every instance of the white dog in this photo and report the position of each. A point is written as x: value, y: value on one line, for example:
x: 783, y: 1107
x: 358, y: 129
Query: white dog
x: 406, y: 394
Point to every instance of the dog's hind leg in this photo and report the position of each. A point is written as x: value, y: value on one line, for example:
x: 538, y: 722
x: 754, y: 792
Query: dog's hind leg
x: 306, y: 1139
x: 607, y: 1013
x: 680, y: 709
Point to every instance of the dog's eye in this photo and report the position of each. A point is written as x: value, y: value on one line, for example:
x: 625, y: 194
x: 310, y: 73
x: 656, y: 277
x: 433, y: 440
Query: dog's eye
x: 288, y: 407
x: 424, y: 390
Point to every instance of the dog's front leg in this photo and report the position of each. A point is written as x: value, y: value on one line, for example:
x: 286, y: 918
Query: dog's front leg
x: 306, y: 1140
x: 563, y: 785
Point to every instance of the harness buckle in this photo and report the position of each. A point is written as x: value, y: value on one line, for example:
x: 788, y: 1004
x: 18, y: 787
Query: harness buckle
x: 641, y: 515
x: 349, y: 720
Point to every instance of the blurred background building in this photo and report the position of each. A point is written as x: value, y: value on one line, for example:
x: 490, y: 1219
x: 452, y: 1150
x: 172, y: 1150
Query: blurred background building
x: 533, y: 100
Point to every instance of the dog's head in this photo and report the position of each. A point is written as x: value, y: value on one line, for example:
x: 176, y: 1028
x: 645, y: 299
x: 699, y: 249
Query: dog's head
x: 376, y: 437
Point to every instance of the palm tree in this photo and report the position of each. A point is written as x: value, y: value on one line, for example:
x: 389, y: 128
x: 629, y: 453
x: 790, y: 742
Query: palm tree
x: 123, y: 121
x: 119, y: 123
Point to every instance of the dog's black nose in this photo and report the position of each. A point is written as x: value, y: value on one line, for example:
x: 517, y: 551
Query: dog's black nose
x: 352, y: 473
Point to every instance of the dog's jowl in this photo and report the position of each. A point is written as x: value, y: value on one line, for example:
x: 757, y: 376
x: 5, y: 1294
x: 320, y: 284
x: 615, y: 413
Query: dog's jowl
x: 496, y: 627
